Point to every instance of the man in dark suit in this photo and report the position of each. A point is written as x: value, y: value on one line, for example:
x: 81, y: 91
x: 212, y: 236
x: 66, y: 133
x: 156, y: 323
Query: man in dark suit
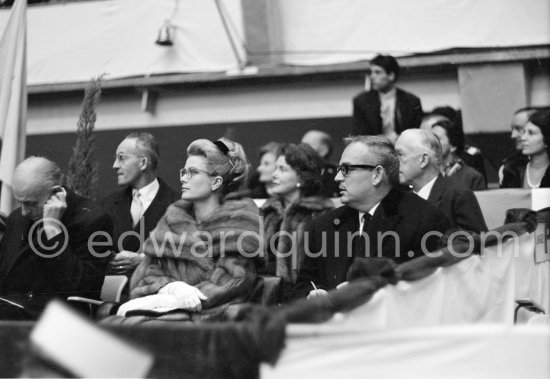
x: 420, y: 160
x: 385, y: 109
x: 397, y: 225
x: 137, y: 208
x: 55, y: 245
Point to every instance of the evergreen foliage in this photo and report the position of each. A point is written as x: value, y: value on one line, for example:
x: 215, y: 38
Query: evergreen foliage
x: 82, y: 176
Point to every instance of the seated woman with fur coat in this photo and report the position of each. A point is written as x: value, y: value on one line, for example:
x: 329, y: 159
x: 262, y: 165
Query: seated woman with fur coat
x: 204, y: 251
x: 294, y: 203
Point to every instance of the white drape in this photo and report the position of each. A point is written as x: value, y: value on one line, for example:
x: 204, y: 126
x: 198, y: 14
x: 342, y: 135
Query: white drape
x: 351, y: 30
x: 74, y: 42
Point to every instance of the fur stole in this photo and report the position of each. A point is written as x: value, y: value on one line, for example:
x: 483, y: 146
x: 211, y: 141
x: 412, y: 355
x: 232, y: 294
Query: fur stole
x: 286, y: 252
x: 218, y: 256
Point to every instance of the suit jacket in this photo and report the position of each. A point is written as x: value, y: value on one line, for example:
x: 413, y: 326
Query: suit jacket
x: 459, y: 204
x: 468, y: 177
x: 118, y: 206
x: 31, y: 274
x: 366, y: 112
x: 331, y: 248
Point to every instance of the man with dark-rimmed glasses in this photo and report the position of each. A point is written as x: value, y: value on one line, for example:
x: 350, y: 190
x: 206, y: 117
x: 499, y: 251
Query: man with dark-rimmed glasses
x: 394, y: 222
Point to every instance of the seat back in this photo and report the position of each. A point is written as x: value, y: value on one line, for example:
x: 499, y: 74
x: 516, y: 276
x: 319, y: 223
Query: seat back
x: 112, y: 287
x: 267, y: 290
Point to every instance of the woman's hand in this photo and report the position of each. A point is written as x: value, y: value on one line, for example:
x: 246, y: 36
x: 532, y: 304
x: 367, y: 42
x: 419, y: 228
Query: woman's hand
x: 187, y: 297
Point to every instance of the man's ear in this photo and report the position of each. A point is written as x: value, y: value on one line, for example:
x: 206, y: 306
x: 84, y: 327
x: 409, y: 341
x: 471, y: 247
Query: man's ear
x: 143, y: 163
x: 391, y: 76
x: 378, y: 175
x: 453, y: 149
x: 323, y: 151
x: 424, y: 160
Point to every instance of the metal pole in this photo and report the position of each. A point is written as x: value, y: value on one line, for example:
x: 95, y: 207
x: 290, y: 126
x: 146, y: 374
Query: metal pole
x: 242, y: 64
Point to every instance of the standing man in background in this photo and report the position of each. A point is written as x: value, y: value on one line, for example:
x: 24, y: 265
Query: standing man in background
x: 137, y: 208
x: 385, y: 109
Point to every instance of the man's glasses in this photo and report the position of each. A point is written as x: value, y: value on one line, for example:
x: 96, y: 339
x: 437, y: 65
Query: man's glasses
x: 345, y: 168
x: 190, y: 172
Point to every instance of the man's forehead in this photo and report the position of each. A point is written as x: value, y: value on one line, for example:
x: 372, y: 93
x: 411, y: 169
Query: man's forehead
x: 374, y: 67
x: 355, y: 153
x: 520, y: 119
x: 25, y: 192
x: 128, y: 145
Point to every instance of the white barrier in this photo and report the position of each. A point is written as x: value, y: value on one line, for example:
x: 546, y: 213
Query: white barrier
x: 473, y: 351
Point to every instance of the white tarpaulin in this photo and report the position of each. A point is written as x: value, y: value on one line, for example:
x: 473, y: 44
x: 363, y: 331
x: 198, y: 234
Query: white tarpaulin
x: 74, y: 42
x: 469, y: 351
x: 350, y: 30
x: 422, y: 329
x: 478, y: 289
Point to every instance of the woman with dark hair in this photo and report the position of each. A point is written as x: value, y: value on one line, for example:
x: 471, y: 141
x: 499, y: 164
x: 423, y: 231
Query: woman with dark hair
x: 202, y: 253
x: 534, y: 145
x: 295, y: 201
x: 451, y: 138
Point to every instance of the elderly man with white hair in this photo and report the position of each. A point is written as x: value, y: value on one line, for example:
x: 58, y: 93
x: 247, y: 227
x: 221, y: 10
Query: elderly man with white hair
x: 420, y: 160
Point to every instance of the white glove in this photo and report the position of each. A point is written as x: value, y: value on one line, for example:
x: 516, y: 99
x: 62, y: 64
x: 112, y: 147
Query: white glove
x: 152, y: 302
x: 187, y: 297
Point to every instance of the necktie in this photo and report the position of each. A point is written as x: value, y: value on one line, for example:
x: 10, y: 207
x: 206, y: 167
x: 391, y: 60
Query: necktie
x: 360, y: 245
x: 136, y: 208
x: 365, y: 222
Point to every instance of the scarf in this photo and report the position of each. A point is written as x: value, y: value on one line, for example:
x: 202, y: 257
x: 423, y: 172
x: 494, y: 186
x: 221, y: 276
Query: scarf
x: 286, y: 253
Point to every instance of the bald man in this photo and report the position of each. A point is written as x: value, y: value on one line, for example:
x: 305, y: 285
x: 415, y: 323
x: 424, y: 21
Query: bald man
x: 56, y: 244
x: 420, y: 160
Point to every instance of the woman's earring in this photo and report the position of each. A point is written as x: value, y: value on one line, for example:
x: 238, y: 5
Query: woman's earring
x: 298, y: 185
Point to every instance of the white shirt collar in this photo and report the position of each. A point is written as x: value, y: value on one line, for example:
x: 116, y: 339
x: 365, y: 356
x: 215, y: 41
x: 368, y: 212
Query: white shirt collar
x: 425, y: 191
x: 147, y: 193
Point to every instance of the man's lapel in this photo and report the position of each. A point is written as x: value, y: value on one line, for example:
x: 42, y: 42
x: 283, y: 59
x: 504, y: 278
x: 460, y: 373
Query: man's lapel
x: 385, y: 219
x: 345, y: 226
x: 121, y: 212
x: 437, y: 191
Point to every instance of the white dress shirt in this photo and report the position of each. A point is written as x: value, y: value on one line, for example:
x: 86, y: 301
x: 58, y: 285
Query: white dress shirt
x: 148, y: 194
x: 425, y: 191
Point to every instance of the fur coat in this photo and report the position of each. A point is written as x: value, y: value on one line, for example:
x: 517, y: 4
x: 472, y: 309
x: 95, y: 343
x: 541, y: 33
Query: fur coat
x: 218, y: 256
x: 286, y: 253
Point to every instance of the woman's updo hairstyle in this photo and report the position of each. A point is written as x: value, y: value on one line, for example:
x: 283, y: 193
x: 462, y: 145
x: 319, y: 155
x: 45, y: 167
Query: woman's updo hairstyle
x: 308, y: 166
x: 225, y: 158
